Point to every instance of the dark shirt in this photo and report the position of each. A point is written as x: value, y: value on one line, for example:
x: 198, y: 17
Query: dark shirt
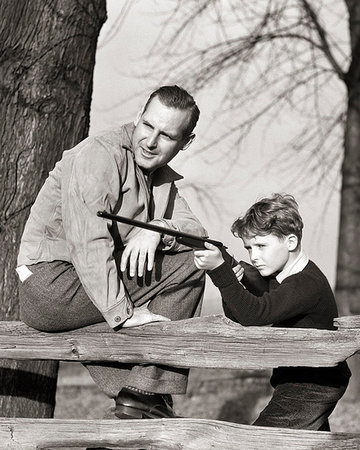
x: 302, y: 300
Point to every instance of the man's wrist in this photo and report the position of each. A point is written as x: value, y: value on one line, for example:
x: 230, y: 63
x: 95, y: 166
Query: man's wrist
x: 167, y: 241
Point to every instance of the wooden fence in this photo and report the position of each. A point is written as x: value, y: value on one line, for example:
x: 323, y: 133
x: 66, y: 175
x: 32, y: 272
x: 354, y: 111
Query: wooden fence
x: 207, y: 342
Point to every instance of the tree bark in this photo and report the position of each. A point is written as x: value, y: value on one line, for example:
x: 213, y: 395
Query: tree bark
x: 348, y: 265
x: 47, y: 57
x: 347, y: 289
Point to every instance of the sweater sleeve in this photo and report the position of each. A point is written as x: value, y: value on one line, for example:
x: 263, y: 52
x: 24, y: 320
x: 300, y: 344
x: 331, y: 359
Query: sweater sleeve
x: 295, y: 295
x: 253, y: 281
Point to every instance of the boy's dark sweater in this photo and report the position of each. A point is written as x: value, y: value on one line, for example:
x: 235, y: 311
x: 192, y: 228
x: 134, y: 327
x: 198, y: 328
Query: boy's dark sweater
x: 302, y: 300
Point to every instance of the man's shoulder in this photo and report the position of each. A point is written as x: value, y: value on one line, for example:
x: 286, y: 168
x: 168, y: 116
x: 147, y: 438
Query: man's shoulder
x: 111, y: 143
x: 115, y: 137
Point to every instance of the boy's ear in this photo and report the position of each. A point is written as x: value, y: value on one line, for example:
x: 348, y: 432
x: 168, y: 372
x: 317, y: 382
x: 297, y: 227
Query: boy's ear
x: 292, y: 241
x: 189, y: 140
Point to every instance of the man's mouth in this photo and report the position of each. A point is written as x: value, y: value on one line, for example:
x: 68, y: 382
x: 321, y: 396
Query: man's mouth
x: 147, y: 153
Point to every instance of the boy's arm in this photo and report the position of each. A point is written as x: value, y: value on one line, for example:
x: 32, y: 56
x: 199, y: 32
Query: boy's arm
x: 295, y: 295
x: 253, y: 281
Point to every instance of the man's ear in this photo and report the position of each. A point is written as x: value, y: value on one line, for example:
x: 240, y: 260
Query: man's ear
x: 138, y: 116
x: 188, y: 142
x: 292, y: 241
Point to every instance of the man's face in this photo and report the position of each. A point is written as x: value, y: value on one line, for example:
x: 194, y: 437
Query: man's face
x: 158, y: 136
x: 269, y: 254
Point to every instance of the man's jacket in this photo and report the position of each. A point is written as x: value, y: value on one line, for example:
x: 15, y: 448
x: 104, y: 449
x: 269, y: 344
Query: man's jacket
x: 100, y: 173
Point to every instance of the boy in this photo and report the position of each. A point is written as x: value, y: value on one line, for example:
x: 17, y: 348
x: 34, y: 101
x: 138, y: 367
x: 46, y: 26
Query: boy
x: 297, y: 295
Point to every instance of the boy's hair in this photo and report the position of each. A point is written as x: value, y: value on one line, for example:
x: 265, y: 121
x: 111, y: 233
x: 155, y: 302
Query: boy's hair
x: 179, y: 98
x: 278, y: 215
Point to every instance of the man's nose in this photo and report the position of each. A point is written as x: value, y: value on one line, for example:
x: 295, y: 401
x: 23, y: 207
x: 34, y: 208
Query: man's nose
x: 152, y: 139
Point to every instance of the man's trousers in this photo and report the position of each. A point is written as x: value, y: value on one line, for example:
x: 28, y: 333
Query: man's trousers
x: 53, y: 299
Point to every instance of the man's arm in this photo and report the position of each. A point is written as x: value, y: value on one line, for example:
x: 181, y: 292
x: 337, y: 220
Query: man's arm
x: 179, y: 216
x: 93, y: 184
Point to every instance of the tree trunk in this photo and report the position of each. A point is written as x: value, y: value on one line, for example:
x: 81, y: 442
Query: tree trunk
x: 347, y: 289
x: 47, y: 56
x: 348, y: 266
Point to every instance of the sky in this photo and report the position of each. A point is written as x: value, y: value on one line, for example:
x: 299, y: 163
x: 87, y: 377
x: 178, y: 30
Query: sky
x: 121, y: 88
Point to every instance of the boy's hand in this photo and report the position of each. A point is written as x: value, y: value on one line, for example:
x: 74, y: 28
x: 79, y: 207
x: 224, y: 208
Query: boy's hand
x: 208, y: 258
x: 239, y: 272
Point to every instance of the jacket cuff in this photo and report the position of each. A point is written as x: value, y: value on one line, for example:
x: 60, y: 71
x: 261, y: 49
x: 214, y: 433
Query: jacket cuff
x: 222, y: 276
x: 117, y: 315
x: 168, y: 242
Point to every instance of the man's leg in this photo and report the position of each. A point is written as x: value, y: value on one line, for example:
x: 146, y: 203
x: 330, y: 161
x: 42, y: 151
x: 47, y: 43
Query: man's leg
x: 302, y: 406
x: 53, y: 299
x: 174, y: 289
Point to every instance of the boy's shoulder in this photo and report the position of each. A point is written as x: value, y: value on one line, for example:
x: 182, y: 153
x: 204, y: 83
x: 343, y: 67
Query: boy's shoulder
x: 311, y: 275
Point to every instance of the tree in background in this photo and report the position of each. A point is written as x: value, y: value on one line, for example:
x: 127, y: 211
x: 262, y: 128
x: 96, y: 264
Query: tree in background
x: 282, y: 56
x: 47, y: 57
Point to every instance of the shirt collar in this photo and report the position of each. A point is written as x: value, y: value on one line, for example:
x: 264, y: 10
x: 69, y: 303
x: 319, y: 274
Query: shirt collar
x: 297, y: 266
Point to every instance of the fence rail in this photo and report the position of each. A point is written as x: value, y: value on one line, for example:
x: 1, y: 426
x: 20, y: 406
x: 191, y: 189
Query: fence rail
x: 164, y: 434
x: 206, y: 342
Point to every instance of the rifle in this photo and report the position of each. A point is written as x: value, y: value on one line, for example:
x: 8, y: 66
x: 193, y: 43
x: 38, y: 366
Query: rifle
x: 190, y: 240
x: 251, y: 276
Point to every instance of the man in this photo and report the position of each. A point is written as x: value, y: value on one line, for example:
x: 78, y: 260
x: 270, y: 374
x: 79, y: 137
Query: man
x: 77, y: 269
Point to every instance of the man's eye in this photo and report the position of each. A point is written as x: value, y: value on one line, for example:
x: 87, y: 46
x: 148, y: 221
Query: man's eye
x: 166, y: 137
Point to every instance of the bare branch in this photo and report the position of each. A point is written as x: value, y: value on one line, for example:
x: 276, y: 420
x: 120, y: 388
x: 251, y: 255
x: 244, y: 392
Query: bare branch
x: 323, y: 38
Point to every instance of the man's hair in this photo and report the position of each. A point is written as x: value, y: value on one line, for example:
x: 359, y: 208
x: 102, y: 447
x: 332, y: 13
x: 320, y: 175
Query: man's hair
x: 278, y: 215
x: 177, y: 97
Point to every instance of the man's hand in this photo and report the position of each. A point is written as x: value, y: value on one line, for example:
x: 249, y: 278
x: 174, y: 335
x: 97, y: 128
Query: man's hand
x: 239, y: 272
x: 140, y: 250
x: 208, y: 258
x: 141, y: 316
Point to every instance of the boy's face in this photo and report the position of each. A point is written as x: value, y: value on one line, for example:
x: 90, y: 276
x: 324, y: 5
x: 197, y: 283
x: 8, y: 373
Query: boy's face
x: 270, y: 254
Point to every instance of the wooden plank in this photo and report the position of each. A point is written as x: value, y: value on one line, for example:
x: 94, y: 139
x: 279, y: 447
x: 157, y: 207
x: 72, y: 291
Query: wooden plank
x: 207, y: 342
x: 19, y: 434
x: 347, y: 322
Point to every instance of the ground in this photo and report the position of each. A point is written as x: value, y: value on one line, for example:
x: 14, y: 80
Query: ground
x: 229, y: 395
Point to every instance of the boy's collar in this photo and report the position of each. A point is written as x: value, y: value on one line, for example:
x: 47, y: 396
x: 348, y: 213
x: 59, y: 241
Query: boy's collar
x: 297, y: 266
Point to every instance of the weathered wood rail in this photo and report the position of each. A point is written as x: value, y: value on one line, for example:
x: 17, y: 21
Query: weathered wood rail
x: 165, y: 434
x: 207, y: 342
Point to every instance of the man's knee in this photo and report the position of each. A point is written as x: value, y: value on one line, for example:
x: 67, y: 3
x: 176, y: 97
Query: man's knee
x: 183, y: 263
x: 33, y: 315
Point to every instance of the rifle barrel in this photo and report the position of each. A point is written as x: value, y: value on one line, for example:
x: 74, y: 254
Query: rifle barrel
x: 157, y: 228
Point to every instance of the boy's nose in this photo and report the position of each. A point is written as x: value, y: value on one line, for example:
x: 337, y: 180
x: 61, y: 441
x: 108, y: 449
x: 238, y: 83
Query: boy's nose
x: 253, y: 256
